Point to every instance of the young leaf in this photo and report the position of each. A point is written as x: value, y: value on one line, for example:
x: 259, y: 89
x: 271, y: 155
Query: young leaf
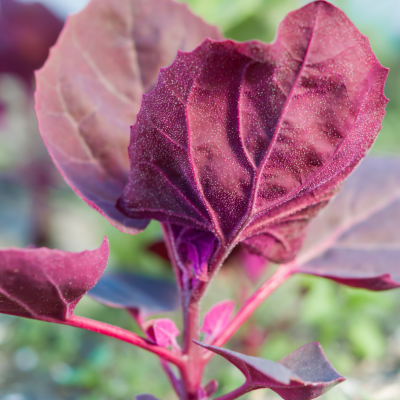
x: 356, y: 240
x: 89, y: 91
x: 249, y: 140
x: 217, y: 319
x: 27, y: 31
x: 136, y: 293
x: 304, y: 374
x: 47, y: 284
x: 164, y: 332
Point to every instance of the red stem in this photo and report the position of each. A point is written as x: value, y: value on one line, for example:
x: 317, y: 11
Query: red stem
x: 122, y: 334
x: 253, y: 302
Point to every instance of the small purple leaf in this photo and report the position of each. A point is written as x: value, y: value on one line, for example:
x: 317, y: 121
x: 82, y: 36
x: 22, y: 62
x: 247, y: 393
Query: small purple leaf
x: 164, y: 332
x: 249, y: 140
x: 210, y: 388
x: 253, y: 264
x: 217, y: 319
x: 304, y: 374
x: 136, y: 293
x: 145, y: 396
x: 356, y: 240
x: 47, y: 284
x: 89, y: 91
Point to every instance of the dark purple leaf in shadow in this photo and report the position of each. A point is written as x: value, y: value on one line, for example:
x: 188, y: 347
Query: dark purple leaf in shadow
x: 356, y: 240
x: 250, y: 140
x: 160, y: 249
x: 90, y: 89
x: 145, y: 397
x: 47, y: 284
x: 27, y: 31
x: 302, y: 375
x: 136, y: 293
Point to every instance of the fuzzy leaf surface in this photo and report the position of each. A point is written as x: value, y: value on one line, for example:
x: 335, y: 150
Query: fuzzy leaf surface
x: 356, y: 240
x: 217, y: 319
x: 304, y: 374
x: 47, y: 284
x: 136, y: 293
x: 27, y: 31
x: 250, y: 140
x: 89, y: 91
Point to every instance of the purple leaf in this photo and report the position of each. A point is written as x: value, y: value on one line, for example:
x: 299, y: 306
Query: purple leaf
x: 302, y: 375
x: 210, y: 388
x: 27, y: 31
x: 250, y: 140
x: 138, y: 294
x: 217, y: 319
x: 164, y: 332
x: 145, y: 396
x: 356, y: 240
x: 47, y: 284
x: 89, y: 91
x: 253, y: 264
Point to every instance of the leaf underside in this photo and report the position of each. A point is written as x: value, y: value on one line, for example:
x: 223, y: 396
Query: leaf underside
x: 250, y: 140
x: 89, y: 91
x: 302, y: 375
x: 356, y: 240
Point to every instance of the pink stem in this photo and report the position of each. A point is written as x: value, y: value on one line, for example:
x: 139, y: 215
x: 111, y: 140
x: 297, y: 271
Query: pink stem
x: 240, y: 391
x: 253, y: 302
x: 122, y: 334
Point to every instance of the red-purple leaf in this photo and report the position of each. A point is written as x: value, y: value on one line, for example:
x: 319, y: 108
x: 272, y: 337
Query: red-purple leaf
x: 210, y: 388
x: 253, y: 264
x: 356, y: 240
x: 217, y: 319
x: 302, y: 375
x: 47, y: 284
x: 164, y: 332
x: 27, y: 31
x: 136, y: 293
x: 90, y: 89
x: 250, y: 140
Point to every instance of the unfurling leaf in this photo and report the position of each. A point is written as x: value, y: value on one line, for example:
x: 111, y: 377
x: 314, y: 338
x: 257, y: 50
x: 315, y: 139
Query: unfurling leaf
x: 47, y: 284
x: 304, y: 374
x: 138, y: 294
x: 164, y: 332
x: 356, y: 240
x: 249, y: 140
x: 27, y: 31
x: 89, y: 91
x: 217, y: 319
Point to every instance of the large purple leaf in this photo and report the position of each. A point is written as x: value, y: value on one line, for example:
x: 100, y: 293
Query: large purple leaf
x: 356, y: 240
x: 302, y: 375
x: 27, y: 31
x: 138, y: 294
x: 47, y: 284
x: 250, y: 140
x: 90, y: 90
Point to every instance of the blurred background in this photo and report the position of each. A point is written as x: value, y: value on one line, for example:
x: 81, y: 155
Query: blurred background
x: 359, y: 330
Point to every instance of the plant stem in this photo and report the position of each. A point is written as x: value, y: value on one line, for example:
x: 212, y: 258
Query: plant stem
x: 124, y: 335
x: 240, y: 391
x: 253, y: 302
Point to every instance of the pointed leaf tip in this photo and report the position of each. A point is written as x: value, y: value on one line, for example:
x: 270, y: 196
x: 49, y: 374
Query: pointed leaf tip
x: 47, y: 284
x: 304, y: 374
x: 248, y: 140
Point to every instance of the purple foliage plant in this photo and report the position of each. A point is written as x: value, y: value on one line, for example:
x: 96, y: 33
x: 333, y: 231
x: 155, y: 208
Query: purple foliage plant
x: 232, y: 144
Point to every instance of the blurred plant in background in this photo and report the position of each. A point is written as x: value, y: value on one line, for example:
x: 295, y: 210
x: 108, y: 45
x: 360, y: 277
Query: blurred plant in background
x: 37, y: 208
